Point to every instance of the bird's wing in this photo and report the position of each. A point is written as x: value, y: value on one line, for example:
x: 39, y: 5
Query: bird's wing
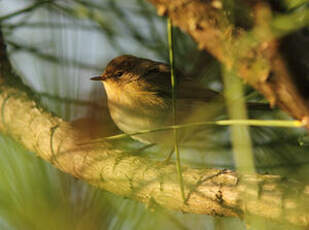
x: 159, y: 77
x: 190, y: 89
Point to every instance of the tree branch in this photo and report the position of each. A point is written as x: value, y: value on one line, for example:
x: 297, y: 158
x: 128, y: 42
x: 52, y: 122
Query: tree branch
x: 207, y: 191
x: 253, y: 54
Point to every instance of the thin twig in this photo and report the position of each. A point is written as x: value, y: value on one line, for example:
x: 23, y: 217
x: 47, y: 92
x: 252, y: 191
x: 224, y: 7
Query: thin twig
x: 176, y: 147
x: 264, y: 123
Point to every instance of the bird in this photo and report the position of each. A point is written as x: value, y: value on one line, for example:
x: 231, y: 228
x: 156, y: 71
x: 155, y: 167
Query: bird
x: 139, y: 97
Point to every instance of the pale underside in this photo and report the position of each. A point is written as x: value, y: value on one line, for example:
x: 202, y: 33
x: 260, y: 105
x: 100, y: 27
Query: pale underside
x: 148, y: 110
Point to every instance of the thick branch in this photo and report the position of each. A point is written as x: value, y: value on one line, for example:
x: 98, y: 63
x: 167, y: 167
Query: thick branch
x: 253, y: 55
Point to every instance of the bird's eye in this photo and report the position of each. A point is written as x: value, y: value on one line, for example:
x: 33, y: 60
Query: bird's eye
x: 118, y: 74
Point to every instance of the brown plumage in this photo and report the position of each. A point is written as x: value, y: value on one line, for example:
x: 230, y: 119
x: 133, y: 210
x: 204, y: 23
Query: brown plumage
x: 139, y: 98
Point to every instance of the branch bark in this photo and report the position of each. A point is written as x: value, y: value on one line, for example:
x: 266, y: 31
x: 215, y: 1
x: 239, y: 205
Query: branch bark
x: 252, y: 54
x: 208, y: 191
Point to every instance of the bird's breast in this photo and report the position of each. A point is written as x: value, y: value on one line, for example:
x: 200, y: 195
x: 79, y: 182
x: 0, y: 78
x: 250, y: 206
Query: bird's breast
x: 132, y: 115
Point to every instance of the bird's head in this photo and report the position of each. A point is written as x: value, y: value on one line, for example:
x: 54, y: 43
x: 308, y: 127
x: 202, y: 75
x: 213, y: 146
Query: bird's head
x: 133, y: 74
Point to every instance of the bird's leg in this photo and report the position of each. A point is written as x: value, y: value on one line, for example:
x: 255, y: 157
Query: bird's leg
x: 167, y: 160
x: 143, y: 148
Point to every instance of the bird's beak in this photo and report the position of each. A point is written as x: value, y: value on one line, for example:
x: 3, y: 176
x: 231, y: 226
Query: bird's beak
x: 97, y: 78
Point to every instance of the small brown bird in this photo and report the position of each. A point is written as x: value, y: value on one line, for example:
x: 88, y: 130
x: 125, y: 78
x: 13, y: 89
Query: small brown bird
x: 139, y: 98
